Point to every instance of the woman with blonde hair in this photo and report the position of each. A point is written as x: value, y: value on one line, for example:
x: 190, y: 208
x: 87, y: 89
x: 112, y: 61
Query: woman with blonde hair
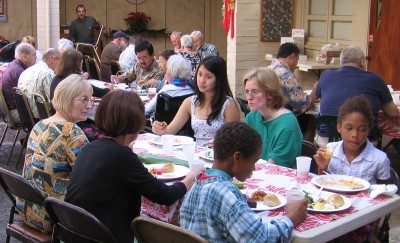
x: 53, y: 146
x: 278, y: 127
x: 32, y: 40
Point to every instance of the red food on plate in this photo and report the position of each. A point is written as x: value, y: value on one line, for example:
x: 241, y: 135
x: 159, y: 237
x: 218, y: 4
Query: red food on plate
x: 159, y: 171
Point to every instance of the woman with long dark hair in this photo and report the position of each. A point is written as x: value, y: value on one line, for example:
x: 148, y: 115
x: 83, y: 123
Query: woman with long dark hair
x: 209, y: 108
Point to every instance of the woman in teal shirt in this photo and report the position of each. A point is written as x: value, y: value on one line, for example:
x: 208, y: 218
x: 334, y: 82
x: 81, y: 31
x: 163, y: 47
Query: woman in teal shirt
x: 278, y: 127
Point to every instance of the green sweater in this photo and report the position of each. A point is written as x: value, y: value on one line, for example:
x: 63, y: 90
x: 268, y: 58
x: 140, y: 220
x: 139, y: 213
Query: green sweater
x: 282, y: 137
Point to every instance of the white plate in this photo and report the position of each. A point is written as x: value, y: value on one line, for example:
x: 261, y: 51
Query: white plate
x: 179, y: 172
x: 332, y: 183
x: 178, y: 140
x: 325, y: 195
x: 261, y: 206
x: 207, y: 154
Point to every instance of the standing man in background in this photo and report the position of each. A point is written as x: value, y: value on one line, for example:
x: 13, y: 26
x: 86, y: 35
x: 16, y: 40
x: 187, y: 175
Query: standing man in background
x: 81, y: 29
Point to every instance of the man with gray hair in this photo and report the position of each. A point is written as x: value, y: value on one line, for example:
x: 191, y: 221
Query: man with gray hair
x: 205, y: 49
x: 37, y: 78
x: 351, y: 79
x: 176, y: 41
x: 25, y: 56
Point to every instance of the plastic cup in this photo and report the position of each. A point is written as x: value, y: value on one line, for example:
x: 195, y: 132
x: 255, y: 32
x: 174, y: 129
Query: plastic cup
x: 152, y: 90
x: 303, y: 166
x: 195, y: 164
x: 189, y: 149
x: 294, y: 195
x: 168, y: 143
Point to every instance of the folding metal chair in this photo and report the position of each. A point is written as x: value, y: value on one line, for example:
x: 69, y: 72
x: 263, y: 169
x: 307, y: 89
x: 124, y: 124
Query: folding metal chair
x: 42, y: 106
x: 25, y: 115
x: 6, y: 117
x: 17, y: 186
x: 92, y: 67
x: 151, y: 230
x: 77, y: 221
x: 115, y: 68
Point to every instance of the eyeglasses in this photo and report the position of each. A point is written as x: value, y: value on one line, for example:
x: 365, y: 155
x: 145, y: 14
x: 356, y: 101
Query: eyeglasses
x: 253, y: 92
x: 85, y: 100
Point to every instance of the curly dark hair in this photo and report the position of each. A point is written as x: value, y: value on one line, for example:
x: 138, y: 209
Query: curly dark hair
x: 358, y: 104
x: 236, y: 137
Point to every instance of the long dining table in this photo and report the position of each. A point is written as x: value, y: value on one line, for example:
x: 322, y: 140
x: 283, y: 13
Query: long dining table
x: 318, y: 227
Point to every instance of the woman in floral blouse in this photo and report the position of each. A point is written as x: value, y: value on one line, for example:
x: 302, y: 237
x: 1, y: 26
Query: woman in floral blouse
x: 53, y: 146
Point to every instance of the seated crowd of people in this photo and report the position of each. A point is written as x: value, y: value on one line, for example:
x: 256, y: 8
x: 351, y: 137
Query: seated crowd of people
x: 90, y: 164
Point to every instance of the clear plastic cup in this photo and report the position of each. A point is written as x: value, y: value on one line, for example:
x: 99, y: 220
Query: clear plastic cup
x: 303, y: 166
x: 189, y: 149
x: 294, y: 195
x: 195, y: 164
x: 168, y: 143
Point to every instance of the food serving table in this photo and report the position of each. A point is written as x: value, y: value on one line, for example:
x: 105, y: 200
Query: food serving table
x: 318, y: 227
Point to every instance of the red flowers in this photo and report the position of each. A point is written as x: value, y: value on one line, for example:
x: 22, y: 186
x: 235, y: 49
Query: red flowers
x: 137, y: 21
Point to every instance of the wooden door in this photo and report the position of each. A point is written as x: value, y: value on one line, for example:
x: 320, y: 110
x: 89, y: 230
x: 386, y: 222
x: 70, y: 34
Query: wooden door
x: 384, y: 41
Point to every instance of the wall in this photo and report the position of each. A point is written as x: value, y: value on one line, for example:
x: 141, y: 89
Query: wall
x: 21, y: 20
x: 181, y: 15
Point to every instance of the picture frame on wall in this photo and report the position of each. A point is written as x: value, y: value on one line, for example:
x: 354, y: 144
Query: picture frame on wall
x: 276, y: 19
x: 3, y: 11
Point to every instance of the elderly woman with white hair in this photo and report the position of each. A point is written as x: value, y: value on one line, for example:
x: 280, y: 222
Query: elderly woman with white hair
x: 178, y: 79
x: 189, y: 53
x: 65, y: 45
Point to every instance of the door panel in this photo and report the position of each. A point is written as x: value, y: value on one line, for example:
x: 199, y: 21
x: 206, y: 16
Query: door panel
x: 384, y: 39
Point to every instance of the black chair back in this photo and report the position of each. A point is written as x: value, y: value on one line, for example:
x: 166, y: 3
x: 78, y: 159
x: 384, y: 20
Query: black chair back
x: 77, y: 221
x: 42, y: 106
x: 88, y: 50
x: 24, y: 110
x: 145, y: 228
x: 115, y: 68
x: 243, y: 104
x: 309, y: 149
x: 17, y: 186
x: 166, y: 109
x: 7, y: 53
x: 330, y: 122
x: 92, y: 68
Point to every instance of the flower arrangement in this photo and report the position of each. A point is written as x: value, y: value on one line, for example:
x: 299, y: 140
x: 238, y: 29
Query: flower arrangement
x: 137, y: 22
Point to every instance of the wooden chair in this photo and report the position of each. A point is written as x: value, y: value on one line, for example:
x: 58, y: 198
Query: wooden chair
x: 6, y: 117
x: 42, y: 106
x: 383, y: 234
x: 77, y: 221
x: 151, y: 230
x: 115, y: 68
x: 166, y: 109
x: 17, y: 186
x: 309, y: 149
x: 25, y: 115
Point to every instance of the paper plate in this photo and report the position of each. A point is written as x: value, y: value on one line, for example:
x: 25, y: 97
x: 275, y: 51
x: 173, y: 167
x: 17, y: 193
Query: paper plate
x: 325, y: 195
x: 341, y: 183
x: 207, y: 154
x: 179, y: 172
x: 261, y: 206
x: 178, y: 140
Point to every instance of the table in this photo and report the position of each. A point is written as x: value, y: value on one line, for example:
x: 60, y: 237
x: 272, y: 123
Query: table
x: 316, y: 228
x: 389, y: 126
x: 310, y: 65
x: 3, y: 67
x: 120, y: 86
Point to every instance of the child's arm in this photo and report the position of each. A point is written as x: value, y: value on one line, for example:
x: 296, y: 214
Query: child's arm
x: 322, y: 159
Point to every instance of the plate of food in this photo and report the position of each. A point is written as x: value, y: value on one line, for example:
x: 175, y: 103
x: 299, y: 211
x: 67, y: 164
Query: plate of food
x: 207, y: 154
x: 167, y: 171
x: 178, y: 140
x: 341, y: 183
x: 262, y: 200
x: 327, y: 202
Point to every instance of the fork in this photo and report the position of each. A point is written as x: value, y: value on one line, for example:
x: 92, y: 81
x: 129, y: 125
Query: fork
x: 329, y: 175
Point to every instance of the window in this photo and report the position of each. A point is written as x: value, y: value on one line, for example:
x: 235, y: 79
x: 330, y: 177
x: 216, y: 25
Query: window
x: 329, y: 21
